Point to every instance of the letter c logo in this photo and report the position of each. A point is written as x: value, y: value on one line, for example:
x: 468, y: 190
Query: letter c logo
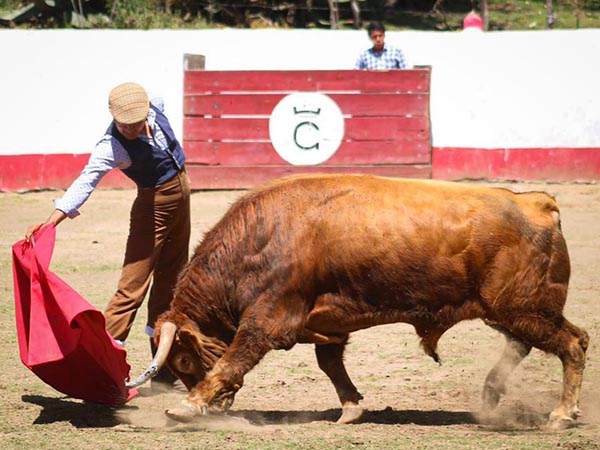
x: 306, y: 128
x: 309, y: 124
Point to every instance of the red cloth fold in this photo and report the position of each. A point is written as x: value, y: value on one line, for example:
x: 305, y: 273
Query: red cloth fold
x: 62, y: 338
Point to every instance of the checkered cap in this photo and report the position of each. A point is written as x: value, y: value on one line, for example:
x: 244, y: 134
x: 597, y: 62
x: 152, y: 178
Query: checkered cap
x: 128, y: 103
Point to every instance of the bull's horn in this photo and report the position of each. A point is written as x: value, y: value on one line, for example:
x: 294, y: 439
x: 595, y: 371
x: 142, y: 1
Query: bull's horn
x: 167, y: 335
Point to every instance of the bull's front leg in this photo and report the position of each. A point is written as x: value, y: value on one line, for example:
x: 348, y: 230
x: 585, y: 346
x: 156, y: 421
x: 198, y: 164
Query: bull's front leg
x: 215, y: 394
x: 217, y: 391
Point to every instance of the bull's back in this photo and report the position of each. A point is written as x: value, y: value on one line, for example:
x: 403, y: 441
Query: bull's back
x: 389, y: 241
x: 343, y: 201
x: 366, y: 213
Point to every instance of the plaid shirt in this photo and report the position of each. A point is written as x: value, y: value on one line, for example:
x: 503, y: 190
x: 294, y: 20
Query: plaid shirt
x: 109, y: 154
x: 389, y: 58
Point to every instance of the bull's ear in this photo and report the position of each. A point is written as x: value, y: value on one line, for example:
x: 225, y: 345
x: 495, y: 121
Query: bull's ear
x: 190, y: 337
x: 208, y: 349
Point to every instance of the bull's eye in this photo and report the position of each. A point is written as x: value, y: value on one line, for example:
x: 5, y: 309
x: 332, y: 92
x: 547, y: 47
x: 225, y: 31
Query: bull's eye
x: 184, y: 364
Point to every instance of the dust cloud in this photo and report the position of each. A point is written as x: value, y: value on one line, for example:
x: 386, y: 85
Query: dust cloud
x: 148, y: 413
x: 527, y: 404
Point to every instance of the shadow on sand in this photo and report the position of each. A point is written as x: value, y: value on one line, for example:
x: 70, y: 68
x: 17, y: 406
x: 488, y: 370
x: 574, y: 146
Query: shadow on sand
x: 387, y: 416
x: 77, y: 413
x: 90, y: 415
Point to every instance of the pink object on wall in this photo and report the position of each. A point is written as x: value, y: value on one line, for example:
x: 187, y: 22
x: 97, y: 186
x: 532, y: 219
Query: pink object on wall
x: 473, y: 20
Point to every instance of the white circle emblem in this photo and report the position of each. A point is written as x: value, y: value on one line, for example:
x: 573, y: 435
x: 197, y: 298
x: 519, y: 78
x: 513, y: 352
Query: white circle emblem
x: 306, y: 128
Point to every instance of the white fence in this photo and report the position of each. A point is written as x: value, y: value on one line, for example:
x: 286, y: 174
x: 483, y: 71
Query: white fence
x: 489, y: 90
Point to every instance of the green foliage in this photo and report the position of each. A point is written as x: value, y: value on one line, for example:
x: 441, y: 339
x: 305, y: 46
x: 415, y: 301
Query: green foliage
x: 442, y: 15
x: 145, y: 14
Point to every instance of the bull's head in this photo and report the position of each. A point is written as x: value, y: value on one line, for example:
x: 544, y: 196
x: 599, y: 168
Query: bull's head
x: 188, y: 353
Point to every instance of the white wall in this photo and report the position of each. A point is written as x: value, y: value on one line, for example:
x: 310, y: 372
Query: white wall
x: 489, y: 90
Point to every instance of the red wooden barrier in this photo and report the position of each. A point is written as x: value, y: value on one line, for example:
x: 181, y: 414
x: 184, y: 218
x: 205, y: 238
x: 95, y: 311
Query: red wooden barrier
x: 226, y: 124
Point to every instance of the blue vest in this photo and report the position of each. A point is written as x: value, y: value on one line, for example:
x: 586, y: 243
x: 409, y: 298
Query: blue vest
x: 150, y: 165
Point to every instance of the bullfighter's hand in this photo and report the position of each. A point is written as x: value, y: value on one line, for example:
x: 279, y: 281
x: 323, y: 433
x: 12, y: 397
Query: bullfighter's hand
x: 56, y: 217
x: 31, y: 230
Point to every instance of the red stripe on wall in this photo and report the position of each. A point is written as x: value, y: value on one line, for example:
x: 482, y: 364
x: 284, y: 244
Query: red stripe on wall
x: 357, y: 105
x: 220, y: 177
x: 50, y: 171
x: 356, y: 128
x: 544, y: 164
x: 201, y: 81
x: 350, y: 152
x: 57, y: 171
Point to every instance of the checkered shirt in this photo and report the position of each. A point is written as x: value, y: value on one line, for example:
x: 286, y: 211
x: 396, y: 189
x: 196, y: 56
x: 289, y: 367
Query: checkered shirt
x: 389, y: 58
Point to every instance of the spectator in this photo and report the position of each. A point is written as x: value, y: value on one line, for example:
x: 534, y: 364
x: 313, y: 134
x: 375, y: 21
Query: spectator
x: 380, y: 56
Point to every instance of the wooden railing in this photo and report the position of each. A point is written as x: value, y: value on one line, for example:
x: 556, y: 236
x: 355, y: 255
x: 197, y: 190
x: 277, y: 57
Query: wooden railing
x: 227, y: 113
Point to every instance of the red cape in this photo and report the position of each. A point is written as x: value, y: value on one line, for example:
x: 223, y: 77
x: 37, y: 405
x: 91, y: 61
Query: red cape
x: 62, y: 338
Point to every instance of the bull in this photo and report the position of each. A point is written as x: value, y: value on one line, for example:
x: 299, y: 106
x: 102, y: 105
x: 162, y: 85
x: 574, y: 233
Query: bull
x: 311, y: 259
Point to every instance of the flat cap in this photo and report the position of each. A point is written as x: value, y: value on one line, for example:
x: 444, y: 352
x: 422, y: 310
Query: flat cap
x: 128, y: 103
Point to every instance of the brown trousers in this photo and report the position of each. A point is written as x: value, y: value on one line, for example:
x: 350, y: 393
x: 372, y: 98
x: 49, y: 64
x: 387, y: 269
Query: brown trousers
x: 157, y: 250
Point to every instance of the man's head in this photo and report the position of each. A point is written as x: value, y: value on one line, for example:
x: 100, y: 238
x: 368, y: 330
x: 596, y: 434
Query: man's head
x: 129, y: 105
x: 376, y: 32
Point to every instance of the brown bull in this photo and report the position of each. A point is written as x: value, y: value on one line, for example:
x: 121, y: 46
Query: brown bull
x: 310, y: 259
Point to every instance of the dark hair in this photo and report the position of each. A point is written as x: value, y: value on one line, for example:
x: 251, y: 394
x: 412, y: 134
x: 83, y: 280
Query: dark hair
x: 375, y: 26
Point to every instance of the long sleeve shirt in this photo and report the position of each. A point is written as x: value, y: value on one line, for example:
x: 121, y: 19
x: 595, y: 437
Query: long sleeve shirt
x: 107, y: 155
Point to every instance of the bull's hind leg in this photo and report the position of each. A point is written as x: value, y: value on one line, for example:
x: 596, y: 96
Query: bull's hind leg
x: 331, y: 361
x: 569, y: 343
x: 495, y: 383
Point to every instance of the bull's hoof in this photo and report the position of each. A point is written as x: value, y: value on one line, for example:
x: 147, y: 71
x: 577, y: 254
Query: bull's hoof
x: 560, y: 422
x: 185, y: 412
x: 491, y: 395
x: 490, y: 399
x: 351, y: 414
